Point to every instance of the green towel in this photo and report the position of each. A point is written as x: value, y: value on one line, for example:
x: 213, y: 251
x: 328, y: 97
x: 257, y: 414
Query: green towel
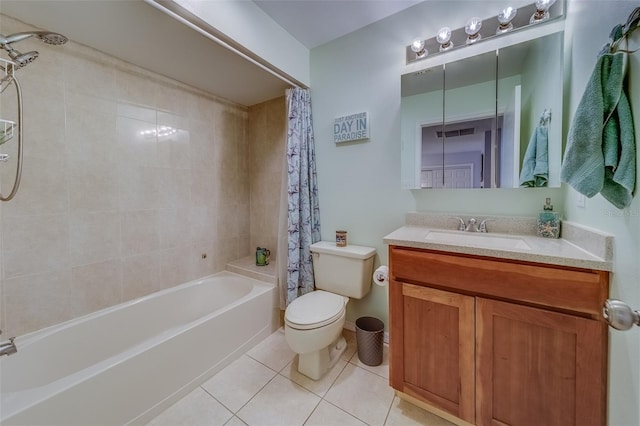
x: 600, y: 154
x: 535, y: 166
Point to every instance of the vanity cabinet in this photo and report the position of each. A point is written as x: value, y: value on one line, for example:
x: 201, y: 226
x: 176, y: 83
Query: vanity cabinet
x: 498, y: 342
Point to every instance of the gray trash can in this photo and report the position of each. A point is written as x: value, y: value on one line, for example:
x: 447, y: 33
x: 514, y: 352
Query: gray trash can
x: 369, y: 337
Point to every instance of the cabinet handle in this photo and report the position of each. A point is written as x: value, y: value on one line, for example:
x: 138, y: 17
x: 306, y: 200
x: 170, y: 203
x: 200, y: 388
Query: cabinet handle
x: 619, y: 315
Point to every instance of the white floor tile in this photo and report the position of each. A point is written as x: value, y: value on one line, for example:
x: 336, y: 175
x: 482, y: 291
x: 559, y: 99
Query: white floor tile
x: 363, y: 394
x: 197, y: 408
x: 281, y: 402
x: 319, y: 387
x: 382, y: 369
x: 329, y: 415
x: 274, y: 352
x: 350, y: 337
x: 235, y: 385
x: 264, y: 387
x: 404, y: 413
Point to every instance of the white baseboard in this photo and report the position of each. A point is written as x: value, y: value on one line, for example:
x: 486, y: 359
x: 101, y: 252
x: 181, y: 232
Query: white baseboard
x: 348, y: 325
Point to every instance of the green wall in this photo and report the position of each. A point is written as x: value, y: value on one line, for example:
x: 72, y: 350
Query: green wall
x: 360, y: 182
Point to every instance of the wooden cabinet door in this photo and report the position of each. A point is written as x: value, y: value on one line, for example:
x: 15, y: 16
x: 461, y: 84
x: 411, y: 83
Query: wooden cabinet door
x: 536, y: 367
x: 435, y: 357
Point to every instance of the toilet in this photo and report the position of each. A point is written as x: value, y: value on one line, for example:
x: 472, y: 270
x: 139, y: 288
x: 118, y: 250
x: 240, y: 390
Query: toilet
x: 313, y: 322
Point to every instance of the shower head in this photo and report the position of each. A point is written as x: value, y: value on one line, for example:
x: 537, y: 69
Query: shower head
x: 52, y: 38
x: 45, y: 36
x: 22, y: 59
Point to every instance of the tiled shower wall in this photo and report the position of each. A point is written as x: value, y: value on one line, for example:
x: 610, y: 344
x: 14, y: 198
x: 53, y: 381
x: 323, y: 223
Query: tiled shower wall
x: 267, y: 134
x: 132, y: 183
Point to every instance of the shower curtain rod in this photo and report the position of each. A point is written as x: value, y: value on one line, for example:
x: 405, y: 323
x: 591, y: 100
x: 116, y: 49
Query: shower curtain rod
x: 209, y: 32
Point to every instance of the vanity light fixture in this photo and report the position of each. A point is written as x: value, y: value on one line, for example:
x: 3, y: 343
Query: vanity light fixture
x: 444, y: 39
x: 542, y: 11
x: 418, y: 48
x: 505, y: 17
x: 473, y: 30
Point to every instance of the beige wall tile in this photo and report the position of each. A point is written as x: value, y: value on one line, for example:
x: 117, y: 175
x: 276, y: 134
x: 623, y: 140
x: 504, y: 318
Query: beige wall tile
x: 43, y: 187
x: 140, y: 232
x: 141, y: 275
x: 94, y: 237
x: 266, y: 134
x: 96, y: 286
x: 34, y: 244
x: 36, y: 301
x: 114, y: 212
x: 174, y: 229
x: 175, y: 265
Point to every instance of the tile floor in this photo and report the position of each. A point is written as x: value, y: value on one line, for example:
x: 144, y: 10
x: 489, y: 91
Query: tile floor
x: 263, y: 387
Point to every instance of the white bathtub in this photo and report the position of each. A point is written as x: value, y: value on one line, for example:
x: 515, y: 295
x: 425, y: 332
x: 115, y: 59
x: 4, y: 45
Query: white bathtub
x: 127, y: 363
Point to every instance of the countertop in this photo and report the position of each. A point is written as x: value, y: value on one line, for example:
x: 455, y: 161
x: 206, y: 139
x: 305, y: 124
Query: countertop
x: 540, y: 250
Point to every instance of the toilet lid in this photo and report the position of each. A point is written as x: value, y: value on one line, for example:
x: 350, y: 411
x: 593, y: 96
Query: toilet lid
x: 315, y: 309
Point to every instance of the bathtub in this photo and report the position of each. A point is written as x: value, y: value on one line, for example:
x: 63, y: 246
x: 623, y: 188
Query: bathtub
x: 127, y: 363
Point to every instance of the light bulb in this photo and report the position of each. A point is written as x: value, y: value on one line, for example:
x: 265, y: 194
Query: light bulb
x: 418, y: 48
x: 542, y: 11
x: 444, y: 38
x: 473, y: 29
x: 505, y: 17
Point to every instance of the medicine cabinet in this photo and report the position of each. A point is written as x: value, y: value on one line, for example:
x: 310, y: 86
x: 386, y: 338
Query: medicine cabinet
x: 466, y: 123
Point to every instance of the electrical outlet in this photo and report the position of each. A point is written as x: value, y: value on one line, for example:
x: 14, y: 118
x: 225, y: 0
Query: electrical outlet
x: 580, y: 200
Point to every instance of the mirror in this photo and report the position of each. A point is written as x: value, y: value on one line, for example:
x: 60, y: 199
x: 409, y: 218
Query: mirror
x: 468, y: 123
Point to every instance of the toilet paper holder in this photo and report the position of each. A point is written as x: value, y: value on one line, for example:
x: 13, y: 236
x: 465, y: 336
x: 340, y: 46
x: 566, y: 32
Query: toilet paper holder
x: 381, y: 275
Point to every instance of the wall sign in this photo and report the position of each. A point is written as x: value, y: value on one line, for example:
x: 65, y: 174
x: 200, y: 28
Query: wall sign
x: 351, y: 127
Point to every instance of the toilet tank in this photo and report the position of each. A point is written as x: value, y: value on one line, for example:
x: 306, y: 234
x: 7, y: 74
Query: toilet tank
x: 347, y: 271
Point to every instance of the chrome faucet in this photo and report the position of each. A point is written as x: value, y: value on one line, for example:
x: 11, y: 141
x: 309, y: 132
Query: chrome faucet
x: 483, y: 225
x: 461, y: 225
x: 472, y: 226
x: 8, y: 348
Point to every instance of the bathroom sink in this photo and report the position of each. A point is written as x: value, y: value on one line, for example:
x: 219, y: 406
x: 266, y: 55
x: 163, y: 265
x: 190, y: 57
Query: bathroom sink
x: 477, y: 240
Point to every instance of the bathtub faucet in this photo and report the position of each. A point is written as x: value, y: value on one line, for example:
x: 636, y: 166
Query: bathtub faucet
x: 8, y: 348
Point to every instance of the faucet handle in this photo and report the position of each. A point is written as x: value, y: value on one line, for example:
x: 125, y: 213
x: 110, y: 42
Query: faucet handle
x: 461, y: 225
x: 483, y: 225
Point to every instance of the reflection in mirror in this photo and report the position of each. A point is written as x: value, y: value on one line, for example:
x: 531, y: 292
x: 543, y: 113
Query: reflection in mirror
x: 467, y: 124
x: 530, y: 82
x: 470, y: 122
x: 421, y: 107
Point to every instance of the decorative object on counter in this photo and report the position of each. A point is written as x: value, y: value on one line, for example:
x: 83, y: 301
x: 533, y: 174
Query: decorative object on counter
x: 262, y: 256
x: 535, y: 165
x: 548, y: 225
x: 341, y: 238
x: 601, y: 149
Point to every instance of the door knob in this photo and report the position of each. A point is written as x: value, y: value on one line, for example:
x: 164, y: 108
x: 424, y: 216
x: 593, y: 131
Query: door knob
x: 619, y: 315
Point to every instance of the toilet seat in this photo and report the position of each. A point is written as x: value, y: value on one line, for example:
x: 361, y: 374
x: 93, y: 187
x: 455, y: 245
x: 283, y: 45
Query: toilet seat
x: 314, y: 310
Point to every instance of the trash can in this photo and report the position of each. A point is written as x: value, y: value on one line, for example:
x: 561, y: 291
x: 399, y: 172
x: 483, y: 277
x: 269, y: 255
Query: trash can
x: 369, y: 338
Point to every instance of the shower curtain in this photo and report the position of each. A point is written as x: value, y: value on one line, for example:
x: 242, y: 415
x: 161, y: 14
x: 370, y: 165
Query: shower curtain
x: 299, y: 221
